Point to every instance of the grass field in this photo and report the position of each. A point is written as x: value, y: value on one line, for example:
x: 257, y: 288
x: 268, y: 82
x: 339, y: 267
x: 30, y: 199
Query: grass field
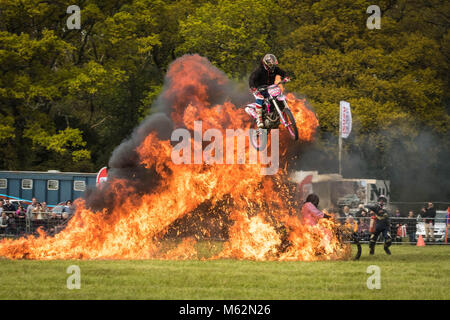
x: 410, y: 273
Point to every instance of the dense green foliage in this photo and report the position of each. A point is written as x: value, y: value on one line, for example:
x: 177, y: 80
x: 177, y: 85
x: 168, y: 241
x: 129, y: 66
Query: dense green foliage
x: 409, y: 273
x: 69, y: 97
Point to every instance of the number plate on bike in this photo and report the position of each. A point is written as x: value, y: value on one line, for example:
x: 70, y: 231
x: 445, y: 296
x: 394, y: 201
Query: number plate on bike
x: 275, y: 91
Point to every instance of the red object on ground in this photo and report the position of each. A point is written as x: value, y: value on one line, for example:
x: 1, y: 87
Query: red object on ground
x: 420, y: 242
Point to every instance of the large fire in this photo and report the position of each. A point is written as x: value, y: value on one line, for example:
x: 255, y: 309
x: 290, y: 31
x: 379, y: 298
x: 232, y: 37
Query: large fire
x: 257, y: 215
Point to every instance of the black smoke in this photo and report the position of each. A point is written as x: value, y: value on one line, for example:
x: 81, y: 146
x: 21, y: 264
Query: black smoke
x: 416, y: 166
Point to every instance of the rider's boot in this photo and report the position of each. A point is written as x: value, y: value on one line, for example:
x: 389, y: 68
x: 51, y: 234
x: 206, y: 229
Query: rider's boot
x: 372, y: 244
x: 259, y: 121
x: 387, y: 244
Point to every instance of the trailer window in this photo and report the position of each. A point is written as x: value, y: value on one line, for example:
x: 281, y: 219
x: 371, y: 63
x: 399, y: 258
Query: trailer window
x: 52, y: 184
x: 3, y: 183
x: 79, y: 185
x: 27, y: 184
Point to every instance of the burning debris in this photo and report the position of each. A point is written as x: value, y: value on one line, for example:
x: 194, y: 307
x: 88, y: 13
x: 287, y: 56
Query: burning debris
x: 149, y: 199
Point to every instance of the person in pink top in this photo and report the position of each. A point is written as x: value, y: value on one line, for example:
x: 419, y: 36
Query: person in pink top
x: 310, y: 213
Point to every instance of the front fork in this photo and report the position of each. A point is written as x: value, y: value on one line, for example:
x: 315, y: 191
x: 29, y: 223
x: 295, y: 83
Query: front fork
x: 279, y: 111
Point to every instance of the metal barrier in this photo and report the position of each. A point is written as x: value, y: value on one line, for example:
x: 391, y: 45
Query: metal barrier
x: 404, y: 230
x: 19, y: 226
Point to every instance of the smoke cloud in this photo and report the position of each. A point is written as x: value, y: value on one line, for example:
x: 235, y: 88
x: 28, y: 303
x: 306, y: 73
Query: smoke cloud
x: 417, y: 166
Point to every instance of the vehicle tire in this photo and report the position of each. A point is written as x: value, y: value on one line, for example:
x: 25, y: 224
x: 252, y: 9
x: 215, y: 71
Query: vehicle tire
x: 291, y: 125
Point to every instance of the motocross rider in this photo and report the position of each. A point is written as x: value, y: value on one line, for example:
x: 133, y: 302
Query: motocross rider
x: 267, y: 73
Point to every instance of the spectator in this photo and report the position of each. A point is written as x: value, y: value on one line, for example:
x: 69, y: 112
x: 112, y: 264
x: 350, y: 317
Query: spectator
x: 411, y: 227
x: 396, y: 224
x: 351, y: 224
x: 37, y: 217
x: 363, y: 229
x: 360, y: 211
x: 423, y: 213
x: 21, y: 215
x: 69, y: 208
x: 30, y: 208
x: 1, y: 206
x: 8, y: 206
x: 36, y: 210
x: 4, y: 223
x: 45, y: 210
x: 430, y: 215
x: 344, y: 213
x: 12, y: 226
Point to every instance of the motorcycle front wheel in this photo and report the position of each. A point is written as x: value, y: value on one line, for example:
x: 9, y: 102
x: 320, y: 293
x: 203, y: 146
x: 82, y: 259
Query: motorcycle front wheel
x: 290, y: 123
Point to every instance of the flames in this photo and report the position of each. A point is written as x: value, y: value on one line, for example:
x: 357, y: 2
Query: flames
x: 257, y: 216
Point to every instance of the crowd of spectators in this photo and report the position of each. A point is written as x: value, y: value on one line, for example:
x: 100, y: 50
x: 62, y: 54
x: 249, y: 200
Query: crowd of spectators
x: 17, y: 219
x: 402, y: 226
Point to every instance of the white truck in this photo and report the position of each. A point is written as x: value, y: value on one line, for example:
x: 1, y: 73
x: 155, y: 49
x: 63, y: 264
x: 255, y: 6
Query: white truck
x: 333, y: 190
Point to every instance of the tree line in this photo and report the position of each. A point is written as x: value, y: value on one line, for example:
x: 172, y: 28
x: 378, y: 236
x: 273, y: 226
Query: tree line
x: 68, y: 97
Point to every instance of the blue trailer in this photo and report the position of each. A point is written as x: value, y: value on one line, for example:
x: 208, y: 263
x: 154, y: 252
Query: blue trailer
x: 52, y: 186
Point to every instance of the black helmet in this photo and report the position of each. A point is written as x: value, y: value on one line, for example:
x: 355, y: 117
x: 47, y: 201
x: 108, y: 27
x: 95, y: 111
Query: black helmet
x: 269, y: 61
x: 313, y: 198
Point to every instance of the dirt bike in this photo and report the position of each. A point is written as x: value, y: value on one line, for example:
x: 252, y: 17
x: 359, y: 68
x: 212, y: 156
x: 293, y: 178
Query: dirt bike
x: 275, y: 111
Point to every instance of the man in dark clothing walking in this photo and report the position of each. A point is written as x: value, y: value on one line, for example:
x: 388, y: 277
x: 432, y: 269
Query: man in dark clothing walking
x: 430, y: 215
x: 383, y: 226
x: 411, y: 227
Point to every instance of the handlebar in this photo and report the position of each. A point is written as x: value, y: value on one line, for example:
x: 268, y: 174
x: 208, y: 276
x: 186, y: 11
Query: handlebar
x: 265, y: 87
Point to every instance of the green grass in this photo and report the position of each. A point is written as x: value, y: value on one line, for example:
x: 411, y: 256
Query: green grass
x: 410, y: 273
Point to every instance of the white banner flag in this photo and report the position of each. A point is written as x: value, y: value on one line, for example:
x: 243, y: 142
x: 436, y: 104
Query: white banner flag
x: 345, y: 119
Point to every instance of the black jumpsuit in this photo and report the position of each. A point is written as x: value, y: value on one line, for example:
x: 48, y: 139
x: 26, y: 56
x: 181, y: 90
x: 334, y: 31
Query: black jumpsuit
x: 383, y: 225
